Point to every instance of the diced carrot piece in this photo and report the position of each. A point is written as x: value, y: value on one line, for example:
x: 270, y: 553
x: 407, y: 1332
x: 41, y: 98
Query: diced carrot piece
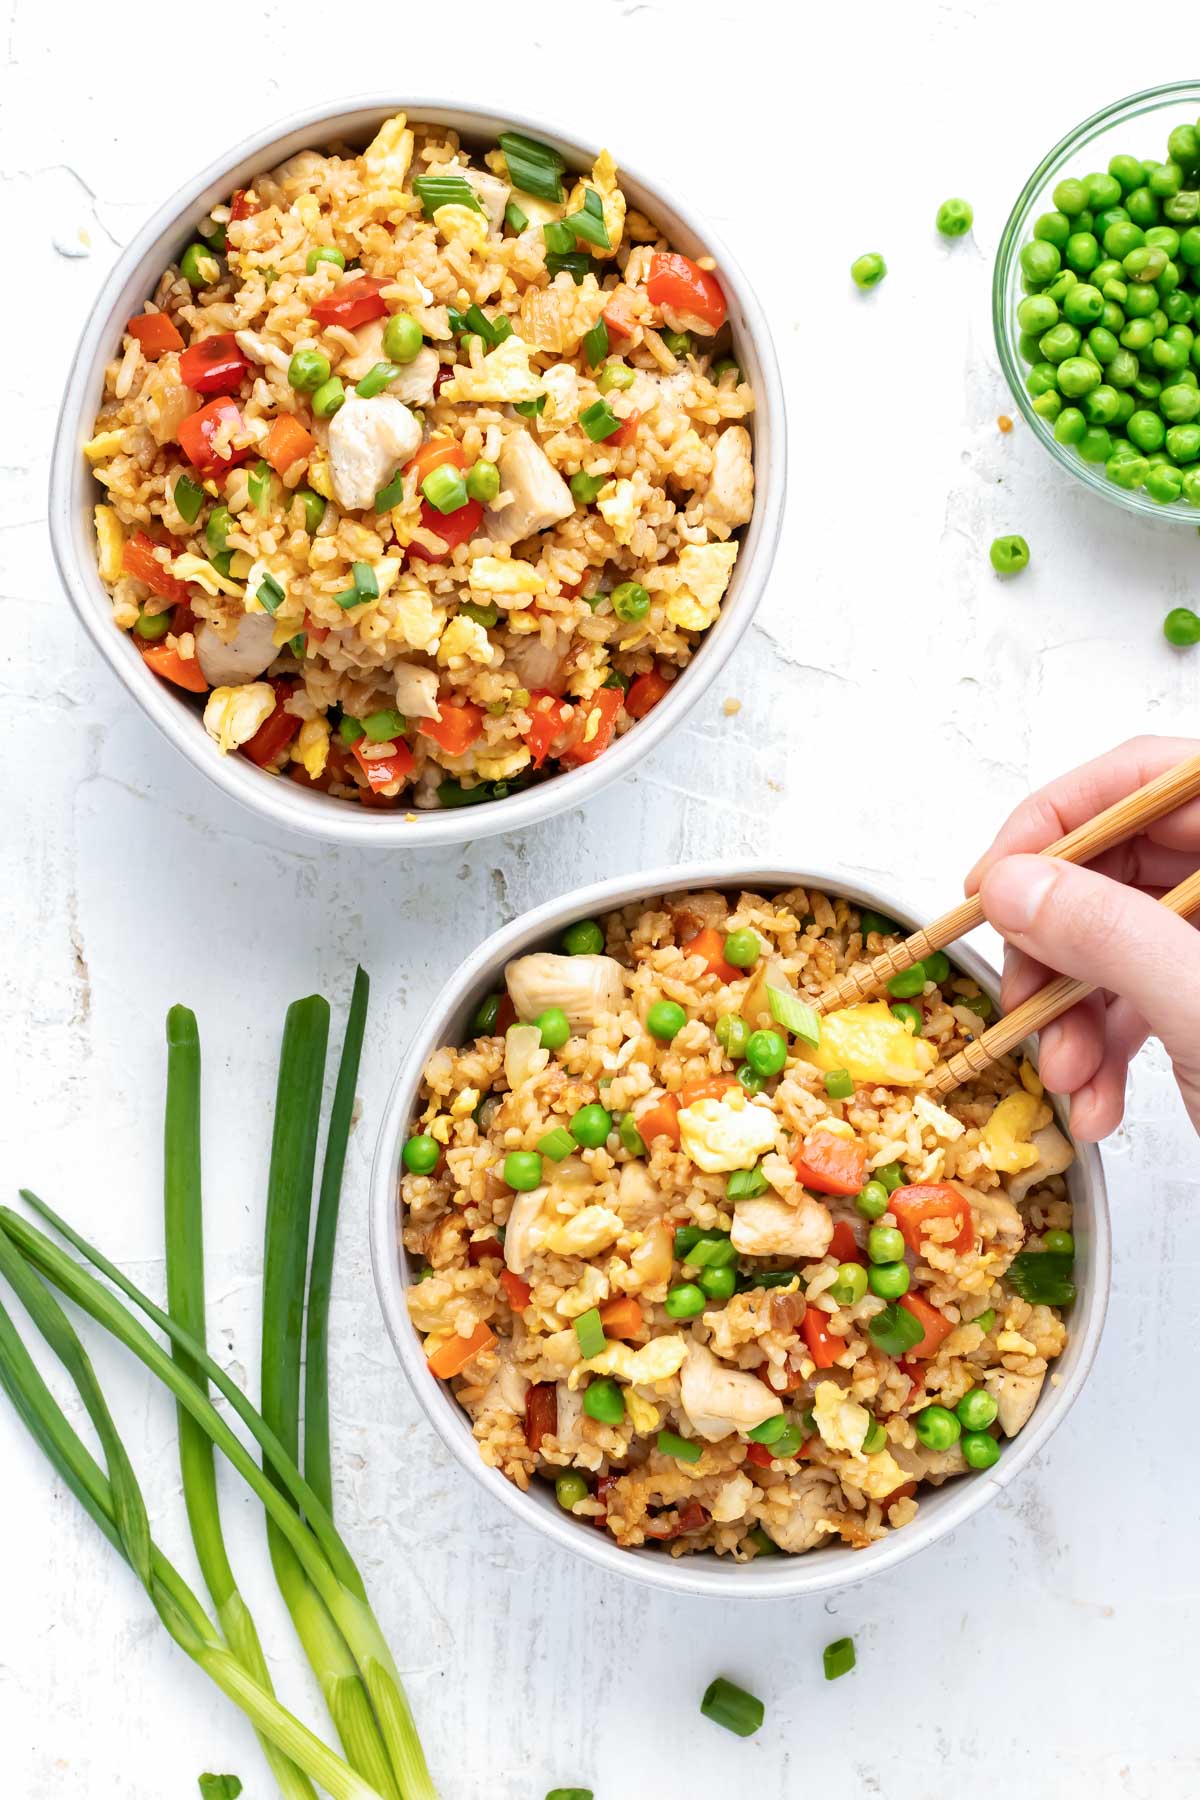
x: 916, y: 1207
x: 626, y: 432
x: 823, y: 1346
x: 286, y: 442
x: 645, y: 692
x: 453, y: 1357
x: 829, y: 1164
x: 138, y: 559
x: 616, y: 314
x: 432, y: 454
x: 904, y: 1492
x: 622, y: 1318
x: 759, y: 1455
x: 157, y: 333
x: 711, y: 1088
x: 594, y: 726
x: 844, y: 1244
x: 172, y: 667
x: 517, y: 1290
x: 710, y: 944
x: 660, y: 1119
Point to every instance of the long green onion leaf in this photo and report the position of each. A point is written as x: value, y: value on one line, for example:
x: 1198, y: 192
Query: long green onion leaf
x: 589, y: 223
x: 533, y: 167
x: 444, y: 190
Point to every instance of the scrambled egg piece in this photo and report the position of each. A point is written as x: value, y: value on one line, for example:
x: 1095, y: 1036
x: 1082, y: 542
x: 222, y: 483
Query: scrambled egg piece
x: 604, y: 180
x: 658, y: 1360
x: 643, y: 1416
x: 1007, y: 1134
x: 232, y: 715
x: 590, y: 1290
x: 465, y: 1103
x: 388, y: 155
x: 703, y: 572
x: 589, y: 1232
x: 842, y: 1423
x: 499, y: 768
x: 503, y: 375
x: 500, y: 575
x: 464, y: 224
x: 319, y: 478
x: 877, y: 1476
x: 104, y: 445
x: 871, y: 1044
x: 944, y: 1124
x: 618, y: 506
x: 312, y: 747
x: 190, y: 567
x: 111, y: 541
x: 729, y: 1133
x: 419, y: 619
x: 464, y: 641
x: 1031, y: 1081
x: 562, y: 387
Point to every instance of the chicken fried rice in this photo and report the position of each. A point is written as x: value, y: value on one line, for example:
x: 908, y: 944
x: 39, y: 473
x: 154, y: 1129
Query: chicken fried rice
x: 718, y: 1267
x: 424, y: 467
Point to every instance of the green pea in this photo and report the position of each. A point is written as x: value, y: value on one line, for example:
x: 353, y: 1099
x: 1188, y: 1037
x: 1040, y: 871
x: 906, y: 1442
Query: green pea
x: 308, y: 370
x: 1041, y: 379
x: 554, y: 1026
x: 665, y: 1020
x: 979, y: 1450
x: 1165, y: 180
x: 1036, y: 314
x: 1048, y: 406
x: 615, y: 377
x: 1164, y: 485
x: 839, y: 1084
x: 851, y: 1284
x: 679, y: 343
x: 1145, y: 264
x: 742, y: 949
x: 1123, y: 236
x: 976, y: 1410
x: 328, y: 397
x: 1102, y: 189
x: 1061, y: 286
x: 891, y: 1175
x: 630, y: 601
x: 199, y: 267
x: 885, y: 1244
x: 152, y: 626
x: 685, y: 1301
x: 1009, y: 555
x: 569, y: 1489
x: 630, y: 1136
x: 937, y: 967
x: 324, y: 253
x: 1083, y: 305
x: 1053, y: 228
x: 1040, y: 261
x: 1095, y: 446
x: 1183, y: 443
x: 1179, y: 308
x: 908, y: 982
x: 590, y: 1126
x: 751, y: 1080
x: 955, y: 218
x: 868, y: 271
x: 1103, y: 344
x: 979, y: 1003
x: 732, y: 1033
x: 1070, y: 425
x: 766, y: 1052
x: 1082, y: 252
x: 1142, y: 206
x: 420, y: 1155
x: 1102, y: 405
x: 1122, y: 372
x: 1070, y: 197
x: 1078, y: 376
x: 1146, y: 430
x: 1062, y: 340
x: 1182, y: 208
x: 1127, y: 472
x: 1179, y: 403
x: 1191, y: 486
x: 888, y: 1281
x: 718, y: 1284
x: 872, y: 1201
x: 523, y: 1170
x: 483, y: 482
x: 584, y: 938
x: 910, y: 1016
x: 1168, y: 356
x: 1181, y: 627
x: 1189, y: 246
x: 1127, y: 171
x: 604, y: 1401
x: 937, y: 1428
x: 402, y: 338
x: 1164, y: 237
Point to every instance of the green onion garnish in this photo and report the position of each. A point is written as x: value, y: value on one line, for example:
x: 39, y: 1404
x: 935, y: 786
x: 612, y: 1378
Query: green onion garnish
x: 556, y: 1144
x: 347, y: 598
x: 682, y: 1449
x: 530, y: 409
x: 216, y: 531
x: 515, y: 219
x: 1043, y: 1277
x: 269, y: 594
x: 558, y: 237
x: 445, y: 488
x: 376, y: 379
x: 686, y: 1237
x: 839, y: 1085
x: 744, y: 1184
x: 444, y: 190
x: 350, y: 730
x: 576, y: 264
x: 457, y: 320
x: 794, y: 1015
x: 487, y: 616
x: 590, y: 1333
x: 589, y: 224
x: 384, y: 726
x: 600, y: 421
x: 769, y: 1278
x: 595, y: 343
x: 838, y: 1658
x: 585, y: 487
x: 259, y: 484
x: 298, y: 644
x: 222, y: 561
x: 732, y: 1707
x: 713, y: 1250
x: 365, y: 584
x: 894, y: 1330
x: 763, y: 1545
x: 189, y: 498
x: 492, y: 331
x: 391, y: 494
x: 220, y: 1787
x: 533, y: 167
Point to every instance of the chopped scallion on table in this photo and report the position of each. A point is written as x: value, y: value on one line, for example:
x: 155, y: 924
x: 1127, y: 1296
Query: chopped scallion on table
x: 731, y: 1706
x: 838, y: 1658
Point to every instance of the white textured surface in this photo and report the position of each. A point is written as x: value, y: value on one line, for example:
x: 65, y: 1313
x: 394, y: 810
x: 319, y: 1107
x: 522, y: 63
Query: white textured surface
x: 896, y: 700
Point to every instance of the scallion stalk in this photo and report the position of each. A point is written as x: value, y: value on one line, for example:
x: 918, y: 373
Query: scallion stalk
x: 444, y: 190
x: 533, y: 167
x: 795, y: 1015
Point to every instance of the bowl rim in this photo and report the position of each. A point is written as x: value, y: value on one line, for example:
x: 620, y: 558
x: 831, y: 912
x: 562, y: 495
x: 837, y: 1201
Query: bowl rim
x: 275, y: 799
x: 1131, y: 106
x: 764, y: 1578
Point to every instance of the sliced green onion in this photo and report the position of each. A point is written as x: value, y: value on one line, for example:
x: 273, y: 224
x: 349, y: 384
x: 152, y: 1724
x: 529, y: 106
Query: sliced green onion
x: 487, y: 616
x: 515, y: 219
x: 576, y: 264
x: 492, y: 331
x: 875, y: 1438
x: 445, y: 488
x: 589, y: 1333
x: 712, y: 1251
x: 558, y: 237
x: 589, y: 223
x: 533, y: 167
x: 350, y: 730
x: 216, y: 531
x: 763, y: 1545
x: 298, y: 644
x: 365, y: 584
x: 314, y: 508
x: 595, y: 343
x: 686, y: 1236
x: 984, y: 1320
x: 376, y: 379
x: 838, y: 1658
x: 391, y: 494
x: 347, y: 598
x: 189, y: 497
x: 744, y: 1184
x: 444, y: 190
x: 794, y: 1015
x: 1043, y: 1277
x: 682, y: 1449
x: 259, y: 484
x: 615, y: 377
x: 585, y: 487
x: 839, y: 1085
x: 732, y: 1707
x: 384, y: 726
x: 530, y: 409
x: 894, y: 1330
x: 269, y: 594
x: 600, y: 421
x: 770, y: 1278
x: 556, y: 1144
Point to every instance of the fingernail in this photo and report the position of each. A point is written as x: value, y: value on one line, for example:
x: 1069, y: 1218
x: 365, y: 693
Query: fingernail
x: 1013, y: 892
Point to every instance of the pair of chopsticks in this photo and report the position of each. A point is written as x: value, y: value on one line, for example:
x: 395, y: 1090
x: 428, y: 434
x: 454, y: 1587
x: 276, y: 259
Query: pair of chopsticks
x: 1125, y: 819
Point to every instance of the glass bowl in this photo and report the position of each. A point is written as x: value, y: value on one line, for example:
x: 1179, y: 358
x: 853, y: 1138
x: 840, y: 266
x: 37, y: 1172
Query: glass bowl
x: 1137, y: 126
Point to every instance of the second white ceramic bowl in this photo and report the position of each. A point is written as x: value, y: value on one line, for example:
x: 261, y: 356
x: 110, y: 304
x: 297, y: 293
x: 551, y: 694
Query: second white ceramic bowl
x: 942, y: 1509
x: 73, y: 492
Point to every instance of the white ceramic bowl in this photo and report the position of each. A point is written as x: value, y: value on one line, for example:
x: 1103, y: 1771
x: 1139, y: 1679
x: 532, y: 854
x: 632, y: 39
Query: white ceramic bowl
x: 942, y: 1509
x: 73, y: 492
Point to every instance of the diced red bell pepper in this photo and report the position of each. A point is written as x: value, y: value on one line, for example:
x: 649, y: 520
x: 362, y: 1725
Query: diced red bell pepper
x: 617, y: 315
x: 541, y: 1412
x: 916, y: 1207
x: 318, y: 633
x: 156, y: 333
x: 241, y: 206
x: 690, y: 1518
x: 676, y: 281
x: 481, y: 1249
x: 197, y: 437
x: 352, y: 303
x: 645, y: 692
x: 823, y: 1346
x: 276, y: 731
x: 937, y: 1325
x: 710, y: 944
x: 625, y: 432
x: 759, y: 1455
x: 168, y: 663
x: 382, y: 771
x: 548, y: 719
x: 594, y: 726
x: 517, y: 1290
x: 829, y: 1164
x: 844, y: 1245
x: 457, y: 729
x: 138, y: 559
x: 454, y: 528
x: 286, y: 442
x: 214, y: 365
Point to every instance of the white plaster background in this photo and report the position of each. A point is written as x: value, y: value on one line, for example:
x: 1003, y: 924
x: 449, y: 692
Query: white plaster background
x: 896, y: 700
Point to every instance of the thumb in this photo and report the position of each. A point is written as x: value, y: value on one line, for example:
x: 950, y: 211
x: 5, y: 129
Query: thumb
x: 1112, y: 936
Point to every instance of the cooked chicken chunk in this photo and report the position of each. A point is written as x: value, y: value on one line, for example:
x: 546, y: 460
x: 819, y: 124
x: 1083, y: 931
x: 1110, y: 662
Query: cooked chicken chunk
x: 226, y: 662
x: 491, y: 193
x: 540, y: 496
x: 540, y: 667
x: 1015, y: 1396
x: 718, y: 1399
x: 368, y: 439
x: 414, y: 383
x: 416, y: 691
x: 525, y: 1229
x: 767, y: 1227
x: 730, y: 496
x: 506, y: 1390
x: 816, y: 1503
x: 1055, y: 1156
x: 369, y: 351
x: 586, y: 987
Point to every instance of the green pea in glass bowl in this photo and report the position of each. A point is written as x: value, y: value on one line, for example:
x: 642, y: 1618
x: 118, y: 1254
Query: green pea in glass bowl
x: 1104, y: 240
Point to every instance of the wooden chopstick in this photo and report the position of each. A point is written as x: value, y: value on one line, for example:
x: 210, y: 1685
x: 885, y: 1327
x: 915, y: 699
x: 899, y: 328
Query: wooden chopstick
x: 1125, y: 819
x: 1048, y: 1003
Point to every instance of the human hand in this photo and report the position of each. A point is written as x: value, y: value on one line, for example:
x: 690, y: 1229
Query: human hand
x: 1101, y: 924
